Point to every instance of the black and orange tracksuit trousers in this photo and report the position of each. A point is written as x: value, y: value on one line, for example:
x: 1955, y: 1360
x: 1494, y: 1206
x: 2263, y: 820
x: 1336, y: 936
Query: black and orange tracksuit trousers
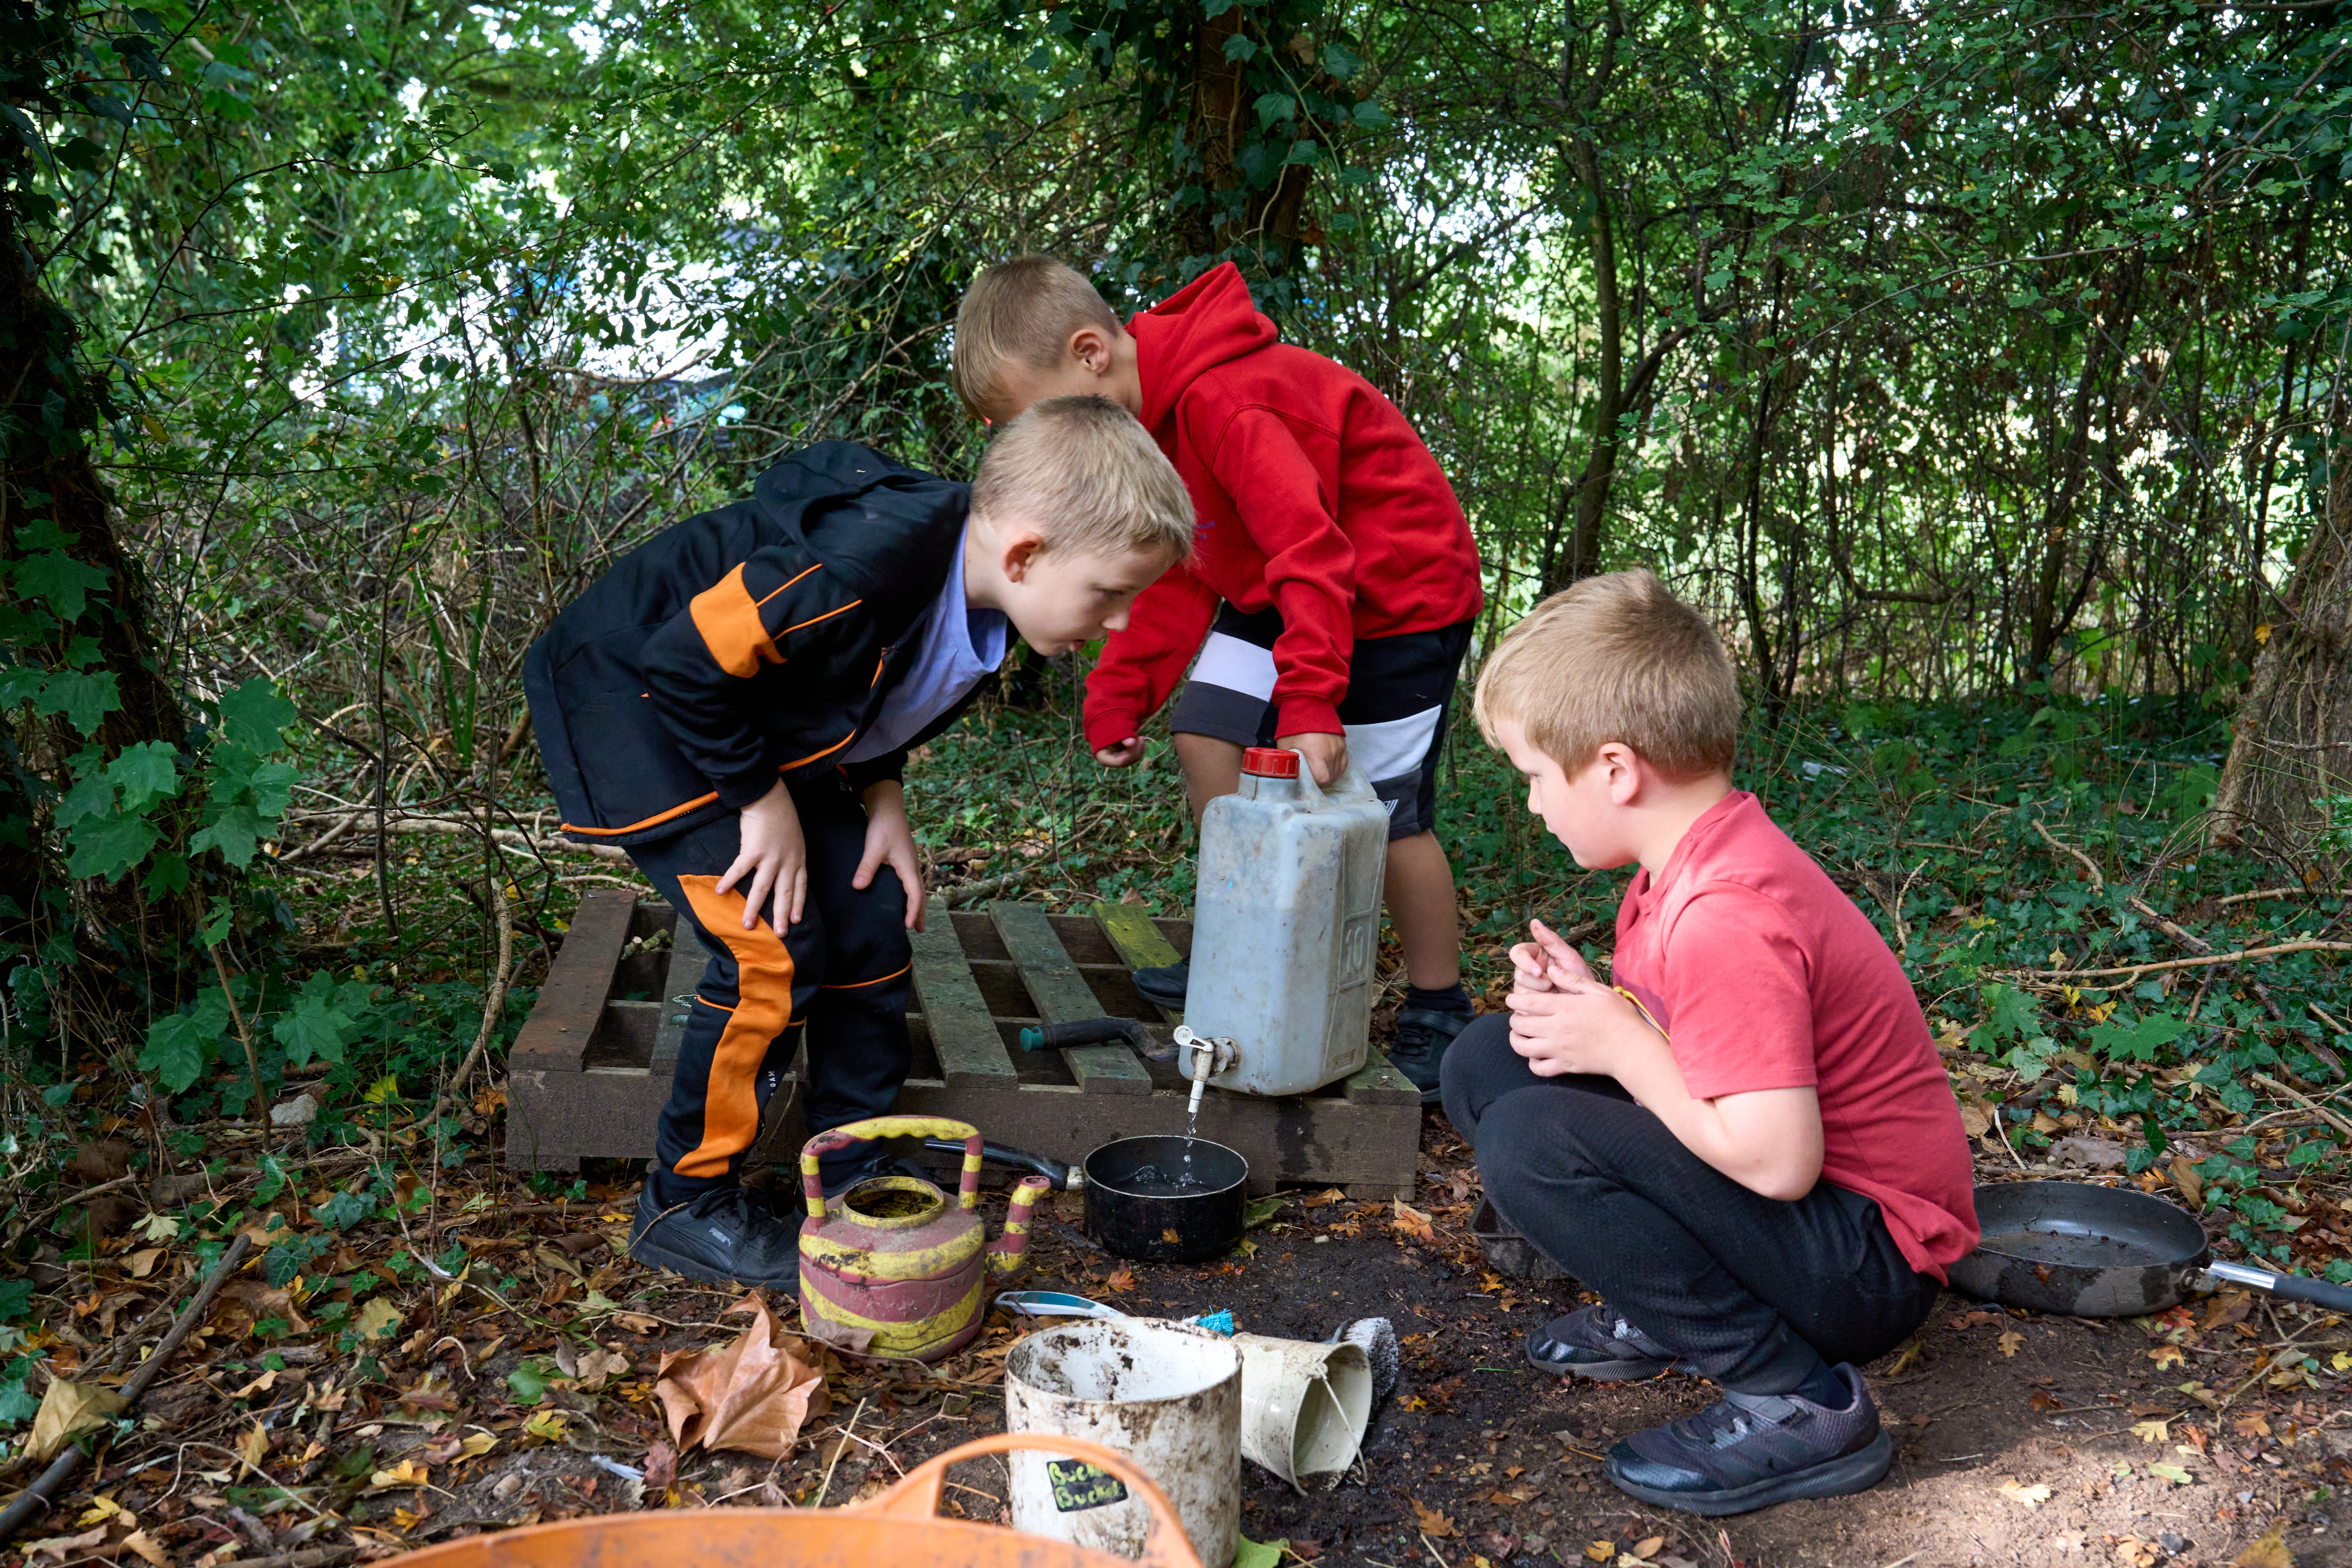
x: 840, y: 975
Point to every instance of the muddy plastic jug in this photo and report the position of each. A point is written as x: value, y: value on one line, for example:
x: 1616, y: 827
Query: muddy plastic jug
x: 1285, y: 924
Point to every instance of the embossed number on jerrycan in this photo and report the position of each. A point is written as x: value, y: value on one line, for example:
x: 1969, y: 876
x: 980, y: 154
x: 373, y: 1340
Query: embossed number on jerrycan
x: 890, y: 1258
x: 1284, y: 924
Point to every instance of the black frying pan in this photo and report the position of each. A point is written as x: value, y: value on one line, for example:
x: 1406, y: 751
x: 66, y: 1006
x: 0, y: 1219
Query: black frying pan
x: 2105, y: 1252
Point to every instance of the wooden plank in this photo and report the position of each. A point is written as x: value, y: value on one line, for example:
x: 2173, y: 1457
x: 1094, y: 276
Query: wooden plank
x: 971, y: 1053
x: 1063, y: 996
x: 688, y: 959
x: 1378, y: 1083
x: 1140, y: 943
x: 571, y: 1001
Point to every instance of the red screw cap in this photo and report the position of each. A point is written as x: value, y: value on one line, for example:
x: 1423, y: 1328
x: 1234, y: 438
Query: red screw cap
x: 1267, y: 763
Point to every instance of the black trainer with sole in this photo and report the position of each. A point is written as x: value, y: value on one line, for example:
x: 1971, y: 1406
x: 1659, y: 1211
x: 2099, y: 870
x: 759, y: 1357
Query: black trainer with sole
x: 1165, y: 985
x: 1752, y: 1451
x: 725, y: 1236
x: 1422, y: 1036
x: 1596, y: 1343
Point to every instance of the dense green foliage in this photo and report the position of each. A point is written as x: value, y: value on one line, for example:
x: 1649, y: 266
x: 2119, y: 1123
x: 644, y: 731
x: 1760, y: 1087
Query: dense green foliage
x: 1943, y: 350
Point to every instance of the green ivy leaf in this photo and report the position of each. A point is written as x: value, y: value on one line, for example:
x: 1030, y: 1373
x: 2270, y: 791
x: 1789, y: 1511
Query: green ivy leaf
x: 316, y: 1026
x: 256, y: 716
x: 1274, y: 106
x: 58, y: 580
x: 107, y: 847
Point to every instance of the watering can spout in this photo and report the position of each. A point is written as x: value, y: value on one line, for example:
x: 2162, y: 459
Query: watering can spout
x: 1009, y: 1251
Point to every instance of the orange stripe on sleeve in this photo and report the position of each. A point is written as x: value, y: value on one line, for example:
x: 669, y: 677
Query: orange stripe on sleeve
x: 728, y: 621
x: 763, y: 1009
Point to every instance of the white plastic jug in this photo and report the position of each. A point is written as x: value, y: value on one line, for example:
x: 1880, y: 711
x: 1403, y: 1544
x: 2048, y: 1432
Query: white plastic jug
x: 1284, y: 924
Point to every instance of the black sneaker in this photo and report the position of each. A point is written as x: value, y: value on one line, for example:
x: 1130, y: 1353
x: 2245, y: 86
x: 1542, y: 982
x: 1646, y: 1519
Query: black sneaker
x: 1756, y: 1449
x: 1166, y: 987
x: 726, y: 1234
x: 1595, y: 1342
x: 1422, y: 1036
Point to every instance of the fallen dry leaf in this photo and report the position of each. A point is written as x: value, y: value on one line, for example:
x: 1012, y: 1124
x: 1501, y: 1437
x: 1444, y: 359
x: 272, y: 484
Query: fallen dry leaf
x: 141, y: 1263
x: 2032, y: 1497
x: 1648, y: 1546
x: 2134, y: 1553
x: 2255, y: 1425
x: 2152, y: 1430
x: 378, y: 1319
x: 253, y: 1447
x: 64, y: 1546
x: 69, y: 1410
x: 1121, y: 1280
x: 1434, y: 1524
x: 2268, y: 1550
x: 407, y: 1473
x: 600, y: 1367
x: 1601, y: 1550
x: 753, y: 1396
x: 2011, y: 1341
x: 2167, y: 1355
x: 148, y: 1547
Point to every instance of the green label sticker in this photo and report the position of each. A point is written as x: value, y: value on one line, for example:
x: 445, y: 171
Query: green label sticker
x: 1079, y: 1485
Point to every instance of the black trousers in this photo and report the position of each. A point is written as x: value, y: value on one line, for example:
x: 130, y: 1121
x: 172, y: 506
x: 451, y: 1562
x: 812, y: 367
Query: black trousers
x: 1751, y: 1291
x: 840, y: 972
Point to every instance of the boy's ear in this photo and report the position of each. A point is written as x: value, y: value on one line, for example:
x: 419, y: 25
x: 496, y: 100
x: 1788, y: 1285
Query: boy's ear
x: 1020, y: 546
x: 1626, y: 771
x: 1090, y: 349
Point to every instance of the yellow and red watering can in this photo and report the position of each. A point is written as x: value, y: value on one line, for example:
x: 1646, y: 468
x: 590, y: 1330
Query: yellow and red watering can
x: 890, y: 1257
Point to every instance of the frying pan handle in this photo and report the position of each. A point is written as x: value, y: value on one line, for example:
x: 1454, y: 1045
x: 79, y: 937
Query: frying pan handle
x: 2285, y: 1287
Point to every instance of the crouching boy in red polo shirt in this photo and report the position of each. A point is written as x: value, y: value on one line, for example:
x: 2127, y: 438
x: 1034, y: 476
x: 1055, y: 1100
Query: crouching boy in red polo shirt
x: 1746, y: 1145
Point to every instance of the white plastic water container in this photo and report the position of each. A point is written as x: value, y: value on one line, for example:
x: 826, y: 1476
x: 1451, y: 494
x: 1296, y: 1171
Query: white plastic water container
x: 1284, y: 924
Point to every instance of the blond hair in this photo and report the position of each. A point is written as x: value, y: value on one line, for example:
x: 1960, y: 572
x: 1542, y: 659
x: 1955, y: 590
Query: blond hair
x: 1615, y: 657
x: 1022, y: 312
x: 1090, y: 478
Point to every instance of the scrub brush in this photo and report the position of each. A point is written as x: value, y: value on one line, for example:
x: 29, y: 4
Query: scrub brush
x: 1376, y: 1337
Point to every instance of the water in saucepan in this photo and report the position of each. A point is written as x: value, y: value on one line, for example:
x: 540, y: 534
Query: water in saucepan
x: 1156, y: 1182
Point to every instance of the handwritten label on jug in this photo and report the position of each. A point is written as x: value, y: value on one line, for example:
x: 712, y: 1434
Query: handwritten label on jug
x: 1079, y: 1485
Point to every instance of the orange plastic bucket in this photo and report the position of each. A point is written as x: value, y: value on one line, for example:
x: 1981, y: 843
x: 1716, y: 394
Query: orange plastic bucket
x: 902, y: 1525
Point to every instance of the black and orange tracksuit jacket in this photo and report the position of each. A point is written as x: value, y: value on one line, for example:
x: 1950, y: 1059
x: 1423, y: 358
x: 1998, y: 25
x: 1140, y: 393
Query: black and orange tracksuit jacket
x: 746, y: 644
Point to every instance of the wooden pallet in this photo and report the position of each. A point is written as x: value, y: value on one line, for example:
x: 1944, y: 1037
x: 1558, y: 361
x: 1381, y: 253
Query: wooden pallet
x: 593, y: 1066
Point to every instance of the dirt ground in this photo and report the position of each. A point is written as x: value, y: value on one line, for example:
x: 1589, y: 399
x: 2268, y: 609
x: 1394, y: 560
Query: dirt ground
x: 2019, y: 1439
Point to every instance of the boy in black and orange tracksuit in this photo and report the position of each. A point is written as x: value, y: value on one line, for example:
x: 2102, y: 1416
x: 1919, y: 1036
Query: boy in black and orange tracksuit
x: 732, y: 704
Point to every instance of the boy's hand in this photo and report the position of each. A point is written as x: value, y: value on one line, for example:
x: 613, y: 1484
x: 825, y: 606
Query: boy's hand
x: 1327, y: 755
x: 1579, y: 1025
x: 776, y: 856
x: 891, y: 841
x: 1125, y: 755
x: 1548, y: 964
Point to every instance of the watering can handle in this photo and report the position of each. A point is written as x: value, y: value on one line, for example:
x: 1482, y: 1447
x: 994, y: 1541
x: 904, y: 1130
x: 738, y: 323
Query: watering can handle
x: 917, y: 1495
x: 874, y: 1127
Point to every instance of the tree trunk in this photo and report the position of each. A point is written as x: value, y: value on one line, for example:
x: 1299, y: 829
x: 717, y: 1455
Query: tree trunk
x: 2292, y: 740
x: 46, y: 478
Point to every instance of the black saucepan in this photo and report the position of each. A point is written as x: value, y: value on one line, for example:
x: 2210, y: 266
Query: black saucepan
x: 1165, y: 1199
x: 2103, y: 1252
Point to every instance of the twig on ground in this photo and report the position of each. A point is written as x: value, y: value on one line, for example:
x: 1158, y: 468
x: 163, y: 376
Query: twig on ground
x: 2333, y: 1120
x: 2124, y: 971
x: 62, y: 1470
x: 2098, y: 883
x: 252, y: 1062
x: 826, y: 1484
x: 2199, y: 945
x: 492, y: 1005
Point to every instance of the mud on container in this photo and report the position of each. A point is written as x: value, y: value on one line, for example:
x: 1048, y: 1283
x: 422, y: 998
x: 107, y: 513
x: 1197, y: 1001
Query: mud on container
x: 1166, y: 1396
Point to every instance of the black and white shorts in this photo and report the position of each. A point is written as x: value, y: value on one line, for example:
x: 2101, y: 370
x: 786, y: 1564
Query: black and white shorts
x: 1400, y: 691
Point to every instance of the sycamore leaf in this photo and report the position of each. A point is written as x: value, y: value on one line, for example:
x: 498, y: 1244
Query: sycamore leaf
x: 2032, y: 1497
x: 254, y: 716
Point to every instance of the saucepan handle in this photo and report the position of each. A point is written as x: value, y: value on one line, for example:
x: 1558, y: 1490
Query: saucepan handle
x: 2285, y: 1287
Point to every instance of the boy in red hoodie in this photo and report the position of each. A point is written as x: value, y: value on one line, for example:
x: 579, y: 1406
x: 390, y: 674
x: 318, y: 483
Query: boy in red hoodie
x: 1332, y: 588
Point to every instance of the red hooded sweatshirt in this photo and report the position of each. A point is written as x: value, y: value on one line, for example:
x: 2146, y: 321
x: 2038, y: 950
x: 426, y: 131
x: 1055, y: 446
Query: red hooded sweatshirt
x: 1311, y: 493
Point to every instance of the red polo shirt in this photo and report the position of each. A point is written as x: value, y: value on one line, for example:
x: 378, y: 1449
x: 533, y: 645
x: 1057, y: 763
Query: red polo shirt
x: 1764, y: 975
